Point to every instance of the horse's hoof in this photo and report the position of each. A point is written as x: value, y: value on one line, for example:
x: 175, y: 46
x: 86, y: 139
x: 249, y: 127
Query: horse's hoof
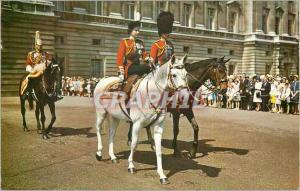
x: 115, y: 161
x: 99, y: 158
x: 25, y: 129
x: 132, y: 170
x: 45, y: 137
x: 39, y: 131
x: 164, y: 181
x: 191, y: 155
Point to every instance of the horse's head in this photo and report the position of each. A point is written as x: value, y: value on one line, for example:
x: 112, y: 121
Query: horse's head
x: 217, y: 73
x: 52, y: 72
x: 177, y: 73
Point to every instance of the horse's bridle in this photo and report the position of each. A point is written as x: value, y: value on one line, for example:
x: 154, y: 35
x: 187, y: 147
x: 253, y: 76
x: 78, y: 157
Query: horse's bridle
x: 214, y: 90
x: 52, y: 67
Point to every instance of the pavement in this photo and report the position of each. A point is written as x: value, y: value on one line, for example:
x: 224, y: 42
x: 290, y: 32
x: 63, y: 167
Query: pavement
x: 237, y: 150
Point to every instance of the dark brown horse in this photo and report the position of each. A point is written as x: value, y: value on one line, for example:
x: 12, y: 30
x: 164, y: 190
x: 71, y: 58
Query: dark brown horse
x: 198, y: 72
x: 43, y: 93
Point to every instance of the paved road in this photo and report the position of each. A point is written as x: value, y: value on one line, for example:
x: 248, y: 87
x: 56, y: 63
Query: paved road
x: 238, y: 150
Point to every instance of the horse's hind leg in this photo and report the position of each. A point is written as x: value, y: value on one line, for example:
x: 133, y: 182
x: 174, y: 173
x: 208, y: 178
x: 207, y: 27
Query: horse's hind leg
x: 113, y: 124
x: 129, y: 134
x: 100, y: 115
x: 53, y: 116
x: 37, y: 116
x: 23, y: 111
x: 190, y: 116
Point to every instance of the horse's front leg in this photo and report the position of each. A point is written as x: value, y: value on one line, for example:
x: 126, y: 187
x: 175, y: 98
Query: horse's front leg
x: 37, y: 117
x: 53, y: 117
x: 190, y: 116
x: 158, y: 131
x: 23, y: 111
x: 150, y: 139
x: 113, y: 124
x: 134, y: 139
x: 175, y: 132
x: 43, y: 119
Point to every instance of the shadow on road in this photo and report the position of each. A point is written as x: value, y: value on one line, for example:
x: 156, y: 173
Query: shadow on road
x: 170, y: 163
x: 203, y: 147
x: 69, y: 131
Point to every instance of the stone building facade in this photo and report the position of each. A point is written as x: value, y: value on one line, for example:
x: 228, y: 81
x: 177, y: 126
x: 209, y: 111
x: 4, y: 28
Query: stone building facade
x: 259, y: 36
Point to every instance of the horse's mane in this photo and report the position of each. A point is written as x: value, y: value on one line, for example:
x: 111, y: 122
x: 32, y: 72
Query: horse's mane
x: 198, y: 64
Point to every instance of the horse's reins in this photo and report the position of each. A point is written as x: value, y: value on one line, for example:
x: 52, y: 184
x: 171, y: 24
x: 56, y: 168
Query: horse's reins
x: 214, y: 90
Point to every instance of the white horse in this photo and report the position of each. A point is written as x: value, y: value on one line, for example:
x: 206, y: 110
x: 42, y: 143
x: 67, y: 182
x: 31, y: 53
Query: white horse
x: 170, y: 76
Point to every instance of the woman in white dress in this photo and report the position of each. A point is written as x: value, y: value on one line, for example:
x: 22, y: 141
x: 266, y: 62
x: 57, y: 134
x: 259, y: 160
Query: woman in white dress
x: 257, y: 94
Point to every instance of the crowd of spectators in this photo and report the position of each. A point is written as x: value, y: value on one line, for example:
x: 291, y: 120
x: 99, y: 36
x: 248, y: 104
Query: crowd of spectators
x: 78, y: 86
x: 276, y: 94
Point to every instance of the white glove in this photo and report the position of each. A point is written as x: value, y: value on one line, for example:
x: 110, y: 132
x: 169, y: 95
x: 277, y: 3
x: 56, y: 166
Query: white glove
x: 121, y: 76
x: 29, y: 69
x: 121, y: 73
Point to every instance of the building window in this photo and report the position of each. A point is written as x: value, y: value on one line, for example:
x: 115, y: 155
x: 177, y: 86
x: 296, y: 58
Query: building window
x: 59, y: 5
x: 268, y: 53
x: 97, y: 68
x: 129, y: 10
x: 59, y: 40
x: 232, y: 22
x: 186, y: 49
x: 210, y: 18
x: 231, y: 52
x: 187, y: 9
x: 209, y: 51
x: 160, y: 6
x: 291, y: 21
x: 97, y: 42
x: 95, y: 7
x: 265, y: 19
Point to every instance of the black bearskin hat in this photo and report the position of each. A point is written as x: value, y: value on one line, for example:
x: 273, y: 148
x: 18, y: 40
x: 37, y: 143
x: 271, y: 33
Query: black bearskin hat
x: 132, y: 25
x: 165, y: 22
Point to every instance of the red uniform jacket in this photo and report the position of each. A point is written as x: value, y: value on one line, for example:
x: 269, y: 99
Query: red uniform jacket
x: 32, y: 60
x: 161, y: 51
x: 130, y: 51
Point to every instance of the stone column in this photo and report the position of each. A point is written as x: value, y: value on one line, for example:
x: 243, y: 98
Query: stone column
x: 271, y: 18
x: 284, y: 19
x: 147, y: 10
x: 199, y: 9
x: 248, y: 6
x: 223, y: 17
x: 174, y: 8
x: 258, y: 17
x: 115, y: 9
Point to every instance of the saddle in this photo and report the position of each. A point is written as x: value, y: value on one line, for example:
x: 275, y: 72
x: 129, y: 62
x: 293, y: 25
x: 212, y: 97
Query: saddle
x: 128, y: 87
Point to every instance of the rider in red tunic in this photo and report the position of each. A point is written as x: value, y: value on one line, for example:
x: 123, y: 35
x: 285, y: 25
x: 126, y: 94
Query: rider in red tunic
x: 162, y: 50
x: 132, y: 57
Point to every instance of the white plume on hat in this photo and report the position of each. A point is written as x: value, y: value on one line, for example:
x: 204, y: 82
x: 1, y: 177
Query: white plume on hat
x: 38, y: 40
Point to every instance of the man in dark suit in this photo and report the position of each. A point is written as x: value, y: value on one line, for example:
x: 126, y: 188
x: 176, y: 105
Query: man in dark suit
x: 244, y: 84
x: 265, y: 93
